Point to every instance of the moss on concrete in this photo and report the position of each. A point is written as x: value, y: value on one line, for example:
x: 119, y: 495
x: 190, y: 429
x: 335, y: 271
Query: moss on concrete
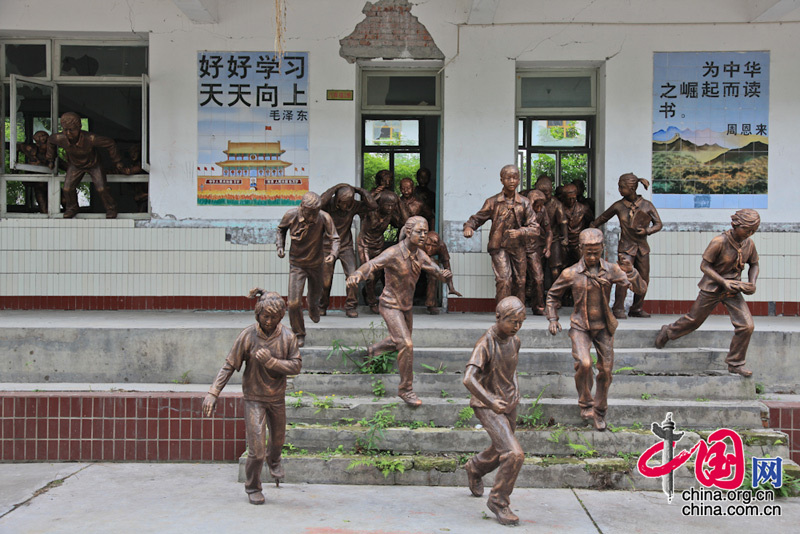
x: 594, y: 465
x: 427, y: 463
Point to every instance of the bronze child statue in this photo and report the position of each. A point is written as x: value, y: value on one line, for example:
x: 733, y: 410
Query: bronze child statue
x: 81, y: 152
x: 308, y: 227
x: 371, y: 242
x: 638, y: 219
x: 592, y: 321
x: 538, y: 250
x: 578, y: 219
x: 513, y: 222
x: 36, y: 154
x: 422, y: 191
x: 435, y: 246
x: 491, y: 377
x: 558, y: 226
x: 402, y: 264
x: 340, y: 203
x: 411, y: 204
x: 269, y: 352
x: 722, y: 266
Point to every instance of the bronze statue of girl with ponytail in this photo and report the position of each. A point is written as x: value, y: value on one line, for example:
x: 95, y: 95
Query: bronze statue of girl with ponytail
x: 638, y: 219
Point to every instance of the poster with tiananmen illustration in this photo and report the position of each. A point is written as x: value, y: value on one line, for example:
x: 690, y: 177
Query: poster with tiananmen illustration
x: 252, y: 128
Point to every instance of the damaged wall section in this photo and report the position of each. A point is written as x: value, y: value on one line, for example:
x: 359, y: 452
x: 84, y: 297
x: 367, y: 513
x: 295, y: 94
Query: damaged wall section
x: 389, y: 31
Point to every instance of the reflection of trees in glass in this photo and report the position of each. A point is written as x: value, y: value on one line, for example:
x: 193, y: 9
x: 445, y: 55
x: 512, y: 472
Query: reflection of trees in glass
x: 561, y: 130
x: 15, y: 191
x: 674, y: 172
x: 372, y: 164
x: 573, y: 167
x: 406, y: 165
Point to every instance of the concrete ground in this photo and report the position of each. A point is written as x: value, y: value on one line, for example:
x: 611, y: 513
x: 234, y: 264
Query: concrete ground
x: 198, y: 498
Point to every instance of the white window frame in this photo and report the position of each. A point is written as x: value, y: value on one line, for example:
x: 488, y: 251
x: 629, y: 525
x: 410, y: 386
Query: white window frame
x: 588, y: 113
x: 56, y: 64
x: 557, y: 111
x: 370, y: 72
x: 12, y: 142
x: 48, y: 56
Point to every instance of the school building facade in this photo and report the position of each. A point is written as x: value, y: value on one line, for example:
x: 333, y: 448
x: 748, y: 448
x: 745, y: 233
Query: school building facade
x: 701, y: 99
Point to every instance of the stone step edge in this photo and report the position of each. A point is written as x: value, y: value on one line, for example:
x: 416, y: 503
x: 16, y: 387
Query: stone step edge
x: 560, y: 441
x: 343, y: 401
x: 346, y: 402
x: 623, y: 372
x: 751, y: 436
x: 317, y: 350
x: 430, y: 470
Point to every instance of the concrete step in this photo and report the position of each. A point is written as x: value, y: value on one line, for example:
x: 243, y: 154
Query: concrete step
x: 448, y: 470
x: 537, y: 472
x: 533, y: 334
x: 40, y: 346
x: 712, y: 385
x: 537, y: 360
x: 553, y: 441
x: 621, y: 412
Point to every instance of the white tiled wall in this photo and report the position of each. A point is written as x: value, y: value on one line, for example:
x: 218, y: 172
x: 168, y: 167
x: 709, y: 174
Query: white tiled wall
x: 96, y: 257
x: 674, y: 266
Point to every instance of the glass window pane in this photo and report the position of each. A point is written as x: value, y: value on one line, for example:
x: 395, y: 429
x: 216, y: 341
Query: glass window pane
x: 33, y: 115
x: 372, y: 164
x: 569, y: 133
x: 26, y: 197
x: 401, y: 90
x: 575, y: 167
x: 543, y: 165
x: 26, y: 59
x: 89, y: 60
x: 557, y: 92
x: 521, y: 132
x: 113, y: 111
x: 406, y: 165
x: 391, y: 133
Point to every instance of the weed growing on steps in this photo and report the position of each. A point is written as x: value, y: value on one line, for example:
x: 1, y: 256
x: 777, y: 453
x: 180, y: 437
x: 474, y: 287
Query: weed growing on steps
x: 298, y: 399
x: 321, y: 404
x: 464, y: 417
x: 184, y: 379
x: 290, y: 449
x: 413, y: 425
x: 531, y: 419
x: 382, y: 419
x: 581, y: 450
x: 384, y: 464
x: 383, y: 363
x: 330, y: 453
x: 378, y: 388
x: 437, y: 370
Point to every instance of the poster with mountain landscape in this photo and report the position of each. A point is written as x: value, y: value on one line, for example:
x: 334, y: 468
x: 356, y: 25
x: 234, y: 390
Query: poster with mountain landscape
x: 710, y: 129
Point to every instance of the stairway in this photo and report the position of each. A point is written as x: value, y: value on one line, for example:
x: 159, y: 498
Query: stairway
x: 428, y: 445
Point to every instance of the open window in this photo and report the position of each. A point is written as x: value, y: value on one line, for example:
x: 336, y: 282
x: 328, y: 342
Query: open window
x: 400, y: 125
x: 106, y: 84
